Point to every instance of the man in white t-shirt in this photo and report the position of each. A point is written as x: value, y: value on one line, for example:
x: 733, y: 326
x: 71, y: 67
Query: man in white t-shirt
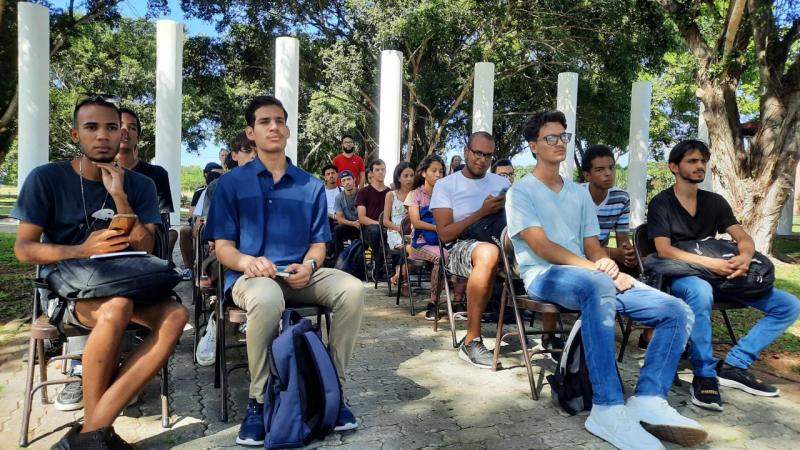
x: 331, y: 191
x: 459, y: 201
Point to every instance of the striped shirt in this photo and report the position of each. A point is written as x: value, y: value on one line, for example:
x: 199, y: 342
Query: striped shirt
x: 613, y: 213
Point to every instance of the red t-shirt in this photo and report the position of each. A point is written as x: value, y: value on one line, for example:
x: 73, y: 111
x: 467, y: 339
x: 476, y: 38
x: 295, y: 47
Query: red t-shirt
x: 354, y: 164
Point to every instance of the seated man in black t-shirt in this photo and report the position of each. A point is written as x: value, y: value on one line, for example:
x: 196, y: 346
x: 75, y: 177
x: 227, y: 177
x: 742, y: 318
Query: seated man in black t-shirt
x: 64, y: 210
x: 128, y: 157
x: 682, y: 213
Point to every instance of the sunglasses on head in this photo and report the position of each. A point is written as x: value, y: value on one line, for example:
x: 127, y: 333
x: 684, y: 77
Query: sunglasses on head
x: 88, y: 97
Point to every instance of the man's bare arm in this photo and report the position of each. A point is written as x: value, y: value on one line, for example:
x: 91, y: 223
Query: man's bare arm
x: 362, y: 217
x: 449, y: 230
x: 537, y: 240
x: 340, y: 219
x: 28, y: 249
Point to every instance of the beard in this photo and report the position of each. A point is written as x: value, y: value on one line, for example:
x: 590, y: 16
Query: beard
x: 348, y: 150
x: 475, y: 174
x: 692, y: 180
x: 100, y: 159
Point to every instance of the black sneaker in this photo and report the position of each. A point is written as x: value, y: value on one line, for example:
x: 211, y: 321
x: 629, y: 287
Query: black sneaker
x: 743, y: 379
x: 476, y: 354
x: 115, y: 442
x: 705, y: 393
x: 94, y: 440
x: 431, y: 312
x: 70, y: 398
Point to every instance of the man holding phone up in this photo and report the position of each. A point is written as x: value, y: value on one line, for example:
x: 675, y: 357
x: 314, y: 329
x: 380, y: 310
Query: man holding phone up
x: 461, y: 203
x: 270, y: 218
x: 65, y: 209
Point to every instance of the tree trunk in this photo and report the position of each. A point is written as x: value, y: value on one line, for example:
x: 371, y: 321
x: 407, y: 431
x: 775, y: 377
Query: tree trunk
x: 757, y: 178
x: 412, y: 121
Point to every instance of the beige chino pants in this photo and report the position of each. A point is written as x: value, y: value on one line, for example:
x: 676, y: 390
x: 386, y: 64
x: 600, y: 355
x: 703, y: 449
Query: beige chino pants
x: 264, y: 300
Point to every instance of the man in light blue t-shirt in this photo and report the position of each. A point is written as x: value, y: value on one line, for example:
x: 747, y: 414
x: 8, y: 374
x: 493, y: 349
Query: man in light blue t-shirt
x: 553, y: 226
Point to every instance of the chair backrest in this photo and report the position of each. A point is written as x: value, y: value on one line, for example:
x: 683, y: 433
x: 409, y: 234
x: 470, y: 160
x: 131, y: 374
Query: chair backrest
x: 507, y: 252
x: 642, y: 245
x: 405, y: 225
x: 380, y: 222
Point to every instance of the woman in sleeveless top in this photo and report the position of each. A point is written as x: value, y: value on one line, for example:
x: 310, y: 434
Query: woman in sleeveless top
x: 394, y: 210
x: 430, y: 170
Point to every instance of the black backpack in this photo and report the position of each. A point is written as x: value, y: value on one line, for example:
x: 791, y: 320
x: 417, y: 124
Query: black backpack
x: 570, y: 386
x: 351, y: 260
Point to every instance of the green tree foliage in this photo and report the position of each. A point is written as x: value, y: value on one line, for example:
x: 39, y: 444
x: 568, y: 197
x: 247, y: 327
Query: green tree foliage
x: 608, y: 42
x: 65, y: 24
x: 191, y: 178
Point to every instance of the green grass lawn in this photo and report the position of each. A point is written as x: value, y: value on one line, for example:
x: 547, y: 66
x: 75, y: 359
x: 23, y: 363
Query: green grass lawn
x: 15, y: 282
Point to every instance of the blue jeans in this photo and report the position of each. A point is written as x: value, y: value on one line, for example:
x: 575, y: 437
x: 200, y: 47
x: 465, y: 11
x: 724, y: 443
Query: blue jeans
x: 781, y: 308
x: 594, y: 294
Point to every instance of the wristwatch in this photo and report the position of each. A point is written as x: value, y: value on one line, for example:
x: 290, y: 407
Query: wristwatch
x: 313, y: 264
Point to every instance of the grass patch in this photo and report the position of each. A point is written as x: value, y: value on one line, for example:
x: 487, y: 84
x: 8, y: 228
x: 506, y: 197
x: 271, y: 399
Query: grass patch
x: 15, y: 282
x: 788, y: 279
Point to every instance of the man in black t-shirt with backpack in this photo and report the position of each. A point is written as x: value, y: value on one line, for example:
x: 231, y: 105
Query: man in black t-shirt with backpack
x: 684, y: 213
x: 64, y: 209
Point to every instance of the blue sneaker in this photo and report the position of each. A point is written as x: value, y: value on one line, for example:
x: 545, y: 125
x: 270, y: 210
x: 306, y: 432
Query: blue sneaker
x: 346, y: 420
x: 252, y: 430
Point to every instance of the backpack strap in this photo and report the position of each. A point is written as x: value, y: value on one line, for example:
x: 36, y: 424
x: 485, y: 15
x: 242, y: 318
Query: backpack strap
x: 329, y: 379
x: 289, y: 317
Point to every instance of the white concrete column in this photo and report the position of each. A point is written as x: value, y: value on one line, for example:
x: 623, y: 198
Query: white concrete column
x: 638, y: 150
x: 702, y: 135
x: 287, y: 86
x: 483, y: 97
x: 567, y: 102
x: 33, y: 46
x: 169, y: 103
x: 391, y: 103
x: 787, y: 216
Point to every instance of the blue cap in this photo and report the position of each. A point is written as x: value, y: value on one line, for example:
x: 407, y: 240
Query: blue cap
x: 345, y: 173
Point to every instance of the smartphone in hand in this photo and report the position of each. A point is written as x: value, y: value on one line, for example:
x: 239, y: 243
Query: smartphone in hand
x: 124, y: 222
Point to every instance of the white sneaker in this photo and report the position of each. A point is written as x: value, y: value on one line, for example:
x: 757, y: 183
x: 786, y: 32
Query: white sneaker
x: 207, y: 347
x: 664, y: 422
x: 614, y: 425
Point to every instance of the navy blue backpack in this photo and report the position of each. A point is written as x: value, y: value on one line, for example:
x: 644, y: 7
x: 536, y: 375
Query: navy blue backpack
x: 351, y: 260
x: 303, y: 394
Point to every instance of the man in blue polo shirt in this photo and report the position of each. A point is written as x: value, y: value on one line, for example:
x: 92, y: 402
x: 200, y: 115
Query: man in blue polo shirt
x: 272, y: 219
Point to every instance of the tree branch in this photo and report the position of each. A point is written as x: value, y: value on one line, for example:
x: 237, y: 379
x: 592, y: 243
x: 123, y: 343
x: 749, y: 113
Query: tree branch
x: 687, y: 25
x: 728, y: 36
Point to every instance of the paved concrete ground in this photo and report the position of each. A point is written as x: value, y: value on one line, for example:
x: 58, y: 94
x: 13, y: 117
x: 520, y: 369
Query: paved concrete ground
x: 409, y: 390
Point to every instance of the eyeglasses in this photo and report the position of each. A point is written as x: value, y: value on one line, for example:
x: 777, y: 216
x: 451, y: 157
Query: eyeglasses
x: 507, y: 175
x: 479, y: 155
x: 87, y: 97
x: 552, y: 139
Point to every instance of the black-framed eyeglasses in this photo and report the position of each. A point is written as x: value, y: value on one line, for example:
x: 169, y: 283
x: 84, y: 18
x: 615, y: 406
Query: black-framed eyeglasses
x: 87, y: 97
x: 552, y: 139
x: 487, y: 156
x: 509, y: 175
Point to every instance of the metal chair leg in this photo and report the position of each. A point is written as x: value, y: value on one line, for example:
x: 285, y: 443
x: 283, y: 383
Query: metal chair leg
x: 223, y: 370
x: 26, y: 408
x: 626, y: 334
x: 729, y: 326
x: 165, y: 395
x: 42, y: 369
x: 499, y: 335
